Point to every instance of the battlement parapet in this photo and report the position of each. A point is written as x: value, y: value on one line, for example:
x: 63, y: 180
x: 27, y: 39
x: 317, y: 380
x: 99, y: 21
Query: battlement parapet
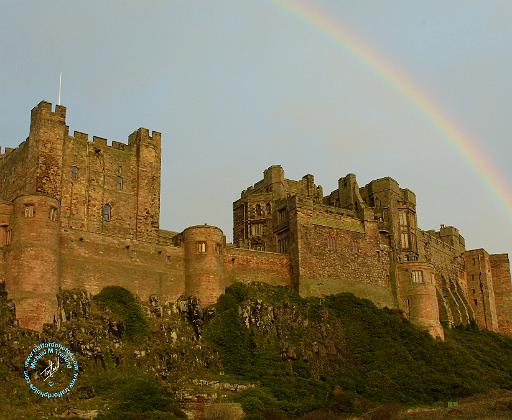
x: 103, y: 143
x: 47, y: 109
x: 500, y: 257
x: 10, y: 151
x: 142, y: 136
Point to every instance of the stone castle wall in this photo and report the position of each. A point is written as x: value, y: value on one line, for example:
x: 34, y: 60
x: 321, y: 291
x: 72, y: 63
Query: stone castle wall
x: 502, y: 284
x: 78, y: 212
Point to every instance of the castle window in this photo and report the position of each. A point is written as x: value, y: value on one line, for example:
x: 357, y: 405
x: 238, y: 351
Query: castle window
x: 119, y: 183
x: 269, y: 208
x: 417, y: 276
x: 402, y: 216
x: 355, y: 247
x: 331, y: 242
x: 404, y: 239
x: 201, y: 247
x: 281, y: 215
x: 74, y: 173
x: 259, y: 212
x: 257, y: 229
x: 106, y: 212
x: 29, y: 210
x: 476, y: 302
x: 53, y: 214
x: 167, y: 259
x: 218, y: 249
x: 8, y: 238
x: 282, y: 244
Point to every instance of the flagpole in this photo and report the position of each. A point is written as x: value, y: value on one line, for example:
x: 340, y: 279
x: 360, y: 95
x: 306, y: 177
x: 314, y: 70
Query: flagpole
x: 60, y: 85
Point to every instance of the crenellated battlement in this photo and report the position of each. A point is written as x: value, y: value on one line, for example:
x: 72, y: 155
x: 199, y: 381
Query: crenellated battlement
x: 47, y: 109
x: 103, y: 143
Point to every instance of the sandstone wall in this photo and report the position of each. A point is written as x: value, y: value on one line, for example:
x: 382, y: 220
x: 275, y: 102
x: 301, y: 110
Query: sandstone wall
x: 481, y: 289
x: 502, y: 285
x: 451, y: 285
x: 33, y: 260
x: 125, y: 177
x: 243, y: 265
x: 204, y: 263
x: 94, y: 261
x: 334, y: 252
x: 418, y: 296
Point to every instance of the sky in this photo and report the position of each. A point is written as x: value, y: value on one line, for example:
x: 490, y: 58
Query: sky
x: 235, y: 86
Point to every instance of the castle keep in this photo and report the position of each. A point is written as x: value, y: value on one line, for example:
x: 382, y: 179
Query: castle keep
x: 78, y: 212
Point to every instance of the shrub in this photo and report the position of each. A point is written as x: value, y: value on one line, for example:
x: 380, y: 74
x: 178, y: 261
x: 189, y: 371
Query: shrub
x: 223, y: 411
x: 136, y: 395
x: 123, y: 304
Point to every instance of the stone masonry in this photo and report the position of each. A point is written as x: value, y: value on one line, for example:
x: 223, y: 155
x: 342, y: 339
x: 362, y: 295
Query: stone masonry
x: 77, y: 212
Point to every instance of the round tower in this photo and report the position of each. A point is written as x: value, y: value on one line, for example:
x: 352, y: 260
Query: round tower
x: 204, y: 263
x: 418, y: 285
x: 33, y: 259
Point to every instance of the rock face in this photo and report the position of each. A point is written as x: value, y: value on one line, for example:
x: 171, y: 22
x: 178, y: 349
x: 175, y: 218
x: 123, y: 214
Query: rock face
x: 174, y: 351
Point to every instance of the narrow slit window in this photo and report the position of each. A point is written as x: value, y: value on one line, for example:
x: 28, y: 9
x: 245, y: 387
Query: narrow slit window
x: 8, y: 238
x: 119, y: 183
x: 53, y: 214
x: 218, y: 249
x: 107, y: 212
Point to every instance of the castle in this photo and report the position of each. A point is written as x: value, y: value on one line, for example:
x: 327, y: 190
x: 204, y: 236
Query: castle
x: 77, y: 212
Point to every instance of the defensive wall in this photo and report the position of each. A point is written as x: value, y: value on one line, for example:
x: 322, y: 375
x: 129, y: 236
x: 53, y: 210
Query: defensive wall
x: 76, y: 211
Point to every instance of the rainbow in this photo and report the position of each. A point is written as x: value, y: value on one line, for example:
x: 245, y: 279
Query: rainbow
x: 468, y: 148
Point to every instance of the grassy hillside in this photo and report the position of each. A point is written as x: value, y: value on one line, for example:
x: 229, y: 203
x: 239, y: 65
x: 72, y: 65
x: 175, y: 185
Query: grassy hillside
x: 344, y: 353
x: 279, y: 355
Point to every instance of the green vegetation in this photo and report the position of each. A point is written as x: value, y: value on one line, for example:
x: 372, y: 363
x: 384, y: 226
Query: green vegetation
x: 345, y: 354
x: 124, y: 305
x: 136, y: 395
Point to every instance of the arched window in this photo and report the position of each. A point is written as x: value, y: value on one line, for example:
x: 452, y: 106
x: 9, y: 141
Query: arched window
x: 106, y: 212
